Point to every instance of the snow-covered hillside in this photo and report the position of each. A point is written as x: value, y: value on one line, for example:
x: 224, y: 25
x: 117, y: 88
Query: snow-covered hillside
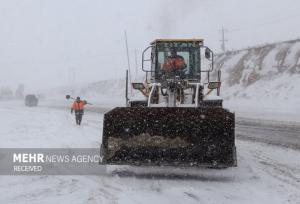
x: 274, y: 69
x: 262, y: 79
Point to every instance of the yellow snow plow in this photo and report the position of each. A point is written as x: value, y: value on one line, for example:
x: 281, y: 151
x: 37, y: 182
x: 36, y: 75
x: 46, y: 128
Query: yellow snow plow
x: 177, y: 123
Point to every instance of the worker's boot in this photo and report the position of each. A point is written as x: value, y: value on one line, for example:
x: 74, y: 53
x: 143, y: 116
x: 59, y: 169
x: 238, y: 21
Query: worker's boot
x: 77, y: 120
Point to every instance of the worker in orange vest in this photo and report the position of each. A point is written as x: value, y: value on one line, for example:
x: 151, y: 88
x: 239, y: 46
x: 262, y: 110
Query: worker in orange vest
x: 174, y: 62
x: 78, y: 107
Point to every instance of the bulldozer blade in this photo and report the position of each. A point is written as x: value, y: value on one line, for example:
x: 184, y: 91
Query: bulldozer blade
x: 176, y: 136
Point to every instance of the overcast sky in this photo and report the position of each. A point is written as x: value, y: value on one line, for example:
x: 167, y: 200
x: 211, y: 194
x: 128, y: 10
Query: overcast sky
x: 50, y: 43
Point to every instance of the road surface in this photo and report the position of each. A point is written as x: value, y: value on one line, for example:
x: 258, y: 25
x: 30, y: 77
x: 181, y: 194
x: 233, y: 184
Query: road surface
x: 268, y: 165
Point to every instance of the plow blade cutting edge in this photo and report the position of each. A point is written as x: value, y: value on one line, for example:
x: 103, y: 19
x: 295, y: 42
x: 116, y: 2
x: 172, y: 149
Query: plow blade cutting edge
x: 169, y: 137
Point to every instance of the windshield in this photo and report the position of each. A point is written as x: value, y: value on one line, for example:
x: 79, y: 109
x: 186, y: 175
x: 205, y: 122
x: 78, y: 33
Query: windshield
x: 181, y: 59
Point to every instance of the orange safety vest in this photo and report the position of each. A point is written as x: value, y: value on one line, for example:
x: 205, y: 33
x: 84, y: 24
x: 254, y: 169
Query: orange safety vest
x: 78, y: 106
x: 174, y: 62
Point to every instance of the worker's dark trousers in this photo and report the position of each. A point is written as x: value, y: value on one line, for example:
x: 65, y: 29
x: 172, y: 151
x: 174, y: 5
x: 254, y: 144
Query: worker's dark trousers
x: 78, y: 116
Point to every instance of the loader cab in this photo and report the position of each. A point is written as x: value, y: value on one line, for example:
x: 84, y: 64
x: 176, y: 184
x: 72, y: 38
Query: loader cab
x: 188, y: 50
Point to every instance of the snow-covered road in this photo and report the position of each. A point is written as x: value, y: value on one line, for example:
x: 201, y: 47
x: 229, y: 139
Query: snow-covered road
x: 265, y: 173
x: 280, y: 133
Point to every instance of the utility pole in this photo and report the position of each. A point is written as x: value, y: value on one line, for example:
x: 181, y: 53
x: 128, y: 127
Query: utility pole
x: 223, y: 40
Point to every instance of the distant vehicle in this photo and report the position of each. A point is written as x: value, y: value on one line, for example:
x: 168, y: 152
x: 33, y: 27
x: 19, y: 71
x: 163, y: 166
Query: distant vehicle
x: 31, y: 100
x: 6, y: 93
